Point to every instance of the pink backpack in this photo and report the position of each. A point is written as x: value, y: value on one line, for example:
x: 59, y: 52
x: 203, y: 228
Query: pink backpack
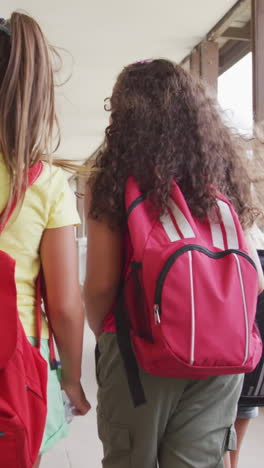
x: 189, y: 293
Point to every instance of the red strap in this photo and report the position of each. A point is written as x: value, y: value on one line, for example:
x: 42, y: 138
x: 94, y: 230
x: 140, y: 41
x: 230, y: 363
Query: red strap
x: 53, y: 360
x: 34, y: 172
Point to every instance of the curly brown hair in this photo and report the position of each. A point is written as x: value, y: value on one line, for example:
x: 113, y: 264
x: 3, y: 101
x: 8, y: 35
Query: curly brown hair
x: 163, y: 127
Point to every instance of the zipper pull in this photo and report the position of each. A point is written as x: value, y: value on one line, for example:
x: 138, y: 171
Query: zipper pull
x: 156, y: 314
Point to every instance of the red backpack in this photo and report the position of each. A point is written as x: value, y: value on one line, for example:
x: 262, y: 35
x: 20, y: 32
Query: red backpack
x: 189, y: 293
x: 23, y: 372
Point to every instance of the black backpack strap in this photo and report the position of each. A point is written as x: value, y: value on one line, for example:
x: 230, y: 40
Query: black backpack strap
x: 127, y: 352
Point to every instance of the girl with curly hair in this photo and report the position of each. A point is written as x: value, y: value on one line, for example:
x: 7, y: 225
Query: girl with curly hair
x: 163, y: 128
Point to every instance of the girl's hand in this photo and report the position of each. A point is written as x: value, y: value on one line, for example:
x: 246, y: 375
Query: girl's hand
x: 76, y: 396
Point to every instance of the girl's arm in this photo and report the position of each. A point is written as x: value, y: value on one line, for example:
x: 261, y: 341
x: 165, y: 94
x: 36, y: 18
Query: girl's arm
x: 103, y: 269
x: 65, y: 307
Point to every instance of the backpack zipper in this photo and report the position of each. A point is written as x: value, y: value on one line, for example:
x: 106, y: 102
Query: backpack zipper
x: 29, y: 389
x: 170, y: 261
x: 156, y: 314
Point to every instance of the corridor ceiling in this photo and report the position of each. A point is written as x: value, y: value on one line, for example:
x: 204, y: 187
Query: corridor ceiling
x: 99, y: 37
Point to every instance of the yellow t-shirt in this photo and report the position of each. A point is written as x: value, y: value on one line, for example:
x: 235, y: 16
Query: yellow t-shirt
x: 48, y: 203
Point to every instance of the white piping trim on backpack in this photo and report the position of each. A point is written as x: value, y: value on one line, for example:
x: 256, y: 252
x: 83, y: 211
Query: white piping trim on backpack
x: 229, y: 224
x: 181, y: 220
x: 192, y: 310
x: 244, y: 306
x: 217, y: 235
x: 169, y: 227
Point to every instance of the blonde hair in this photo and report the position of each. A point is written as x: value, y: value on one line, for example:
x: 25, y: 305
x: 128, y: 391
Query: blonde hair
x: 28, y: 123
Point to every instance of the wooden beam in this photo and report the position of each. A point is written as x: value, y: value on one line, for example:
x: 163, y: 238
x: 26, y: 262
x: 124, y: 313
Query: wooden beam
x: 240, y: 8
x: 231, y: 53
x: 209, y: 63
x: 195, y: 63
x: 258, y: 59
x: 228, y: 19
x: 238, y: 34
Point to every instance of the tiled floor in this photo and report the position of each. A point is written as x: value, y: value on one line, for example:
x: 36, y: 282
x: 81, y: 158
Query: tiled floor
x: 83, y: 450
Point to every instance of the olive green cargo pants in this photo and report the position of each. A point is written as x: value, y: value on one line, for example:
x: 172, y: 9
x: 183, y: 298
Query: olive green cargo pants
x: 186, y: 423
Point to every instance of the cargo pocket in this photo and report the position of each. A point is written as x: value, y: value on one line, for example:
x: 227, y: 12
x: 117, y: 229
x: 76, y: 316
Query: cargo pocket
x: 229, y: 443
x: 231, y: 439
x: 116, y: 443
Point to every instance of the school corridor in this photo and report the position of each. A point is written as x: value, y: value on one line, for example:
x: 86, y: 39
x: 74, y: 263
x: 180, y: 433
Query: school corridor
x: 217, y: 41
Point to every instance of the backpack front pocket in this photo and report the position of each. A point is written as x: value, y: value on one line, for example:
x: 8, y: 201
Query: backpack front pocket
x: 202, y: 305
x: 12, y: 444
